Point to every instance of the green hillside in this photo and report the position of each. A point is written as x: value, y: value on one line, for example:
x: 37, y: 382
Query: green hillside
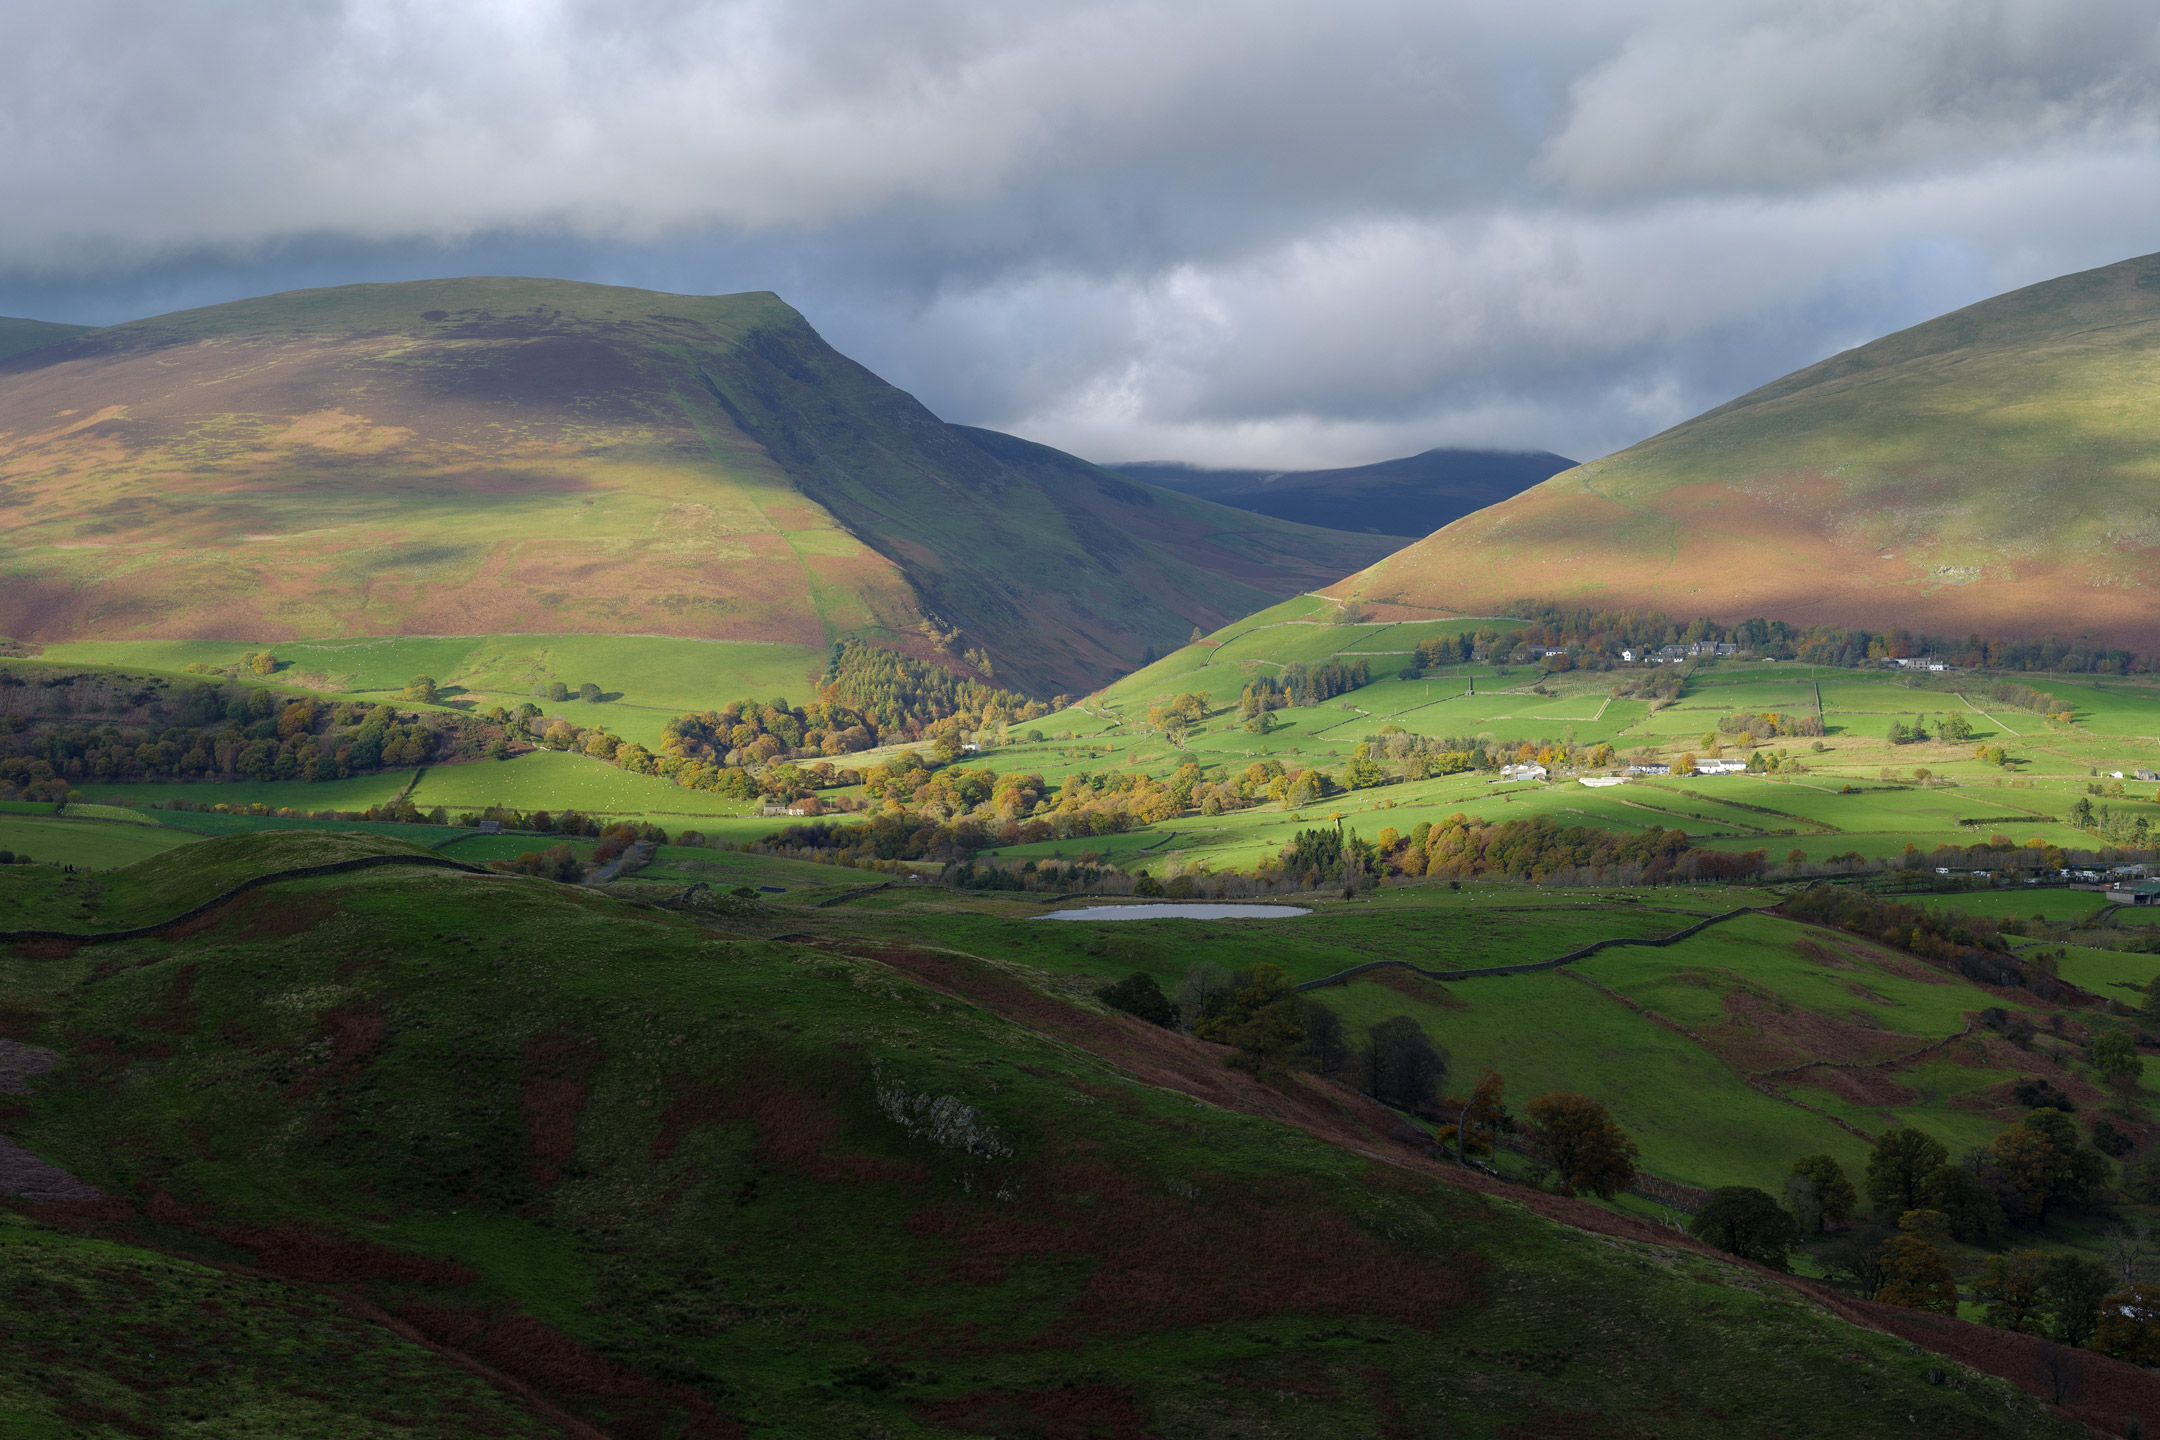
x: 863, y: 1179
x: 1991, y: 471
x: 542, y: 458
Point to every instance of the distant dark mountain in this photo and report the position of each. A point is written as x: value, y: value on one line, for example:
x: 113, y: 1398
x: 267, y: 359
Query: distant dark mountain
x: 1411, y: 497
x: 17, y: 336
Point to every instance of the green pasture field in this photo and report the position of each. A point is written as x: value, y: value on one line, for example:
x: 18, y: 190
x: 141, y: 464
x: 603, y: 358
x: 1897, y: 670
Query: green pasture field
x: 2057, y: 905
x: 1694, y: 1119
x: 2104, y: 972
x: 169, y: 880
x: 477, y: 847
x: 725, y: 869
x: 539, y: 780
x: 2117, y: 708
x: 558, y: 780
x: 77, y: 811
x: 361, y: 792
x: 202, y: 822
x: 85, y: 844
x: 1298, y: 631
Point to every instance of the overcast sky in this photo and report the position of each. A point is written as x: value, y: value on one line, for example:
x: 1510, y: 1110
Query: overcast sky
x: 1229, y: 231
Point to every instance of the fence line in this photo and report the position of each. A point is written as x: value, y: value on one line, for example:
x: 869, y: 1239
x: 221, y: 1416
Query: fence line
x: 305, y: 872
x: 1341, y: 976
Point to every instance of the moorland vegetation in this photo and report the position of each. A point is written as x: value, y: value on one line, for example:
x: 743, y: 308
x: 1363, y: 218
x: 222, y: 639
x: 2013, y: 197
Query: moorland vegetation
x: 1884, y: 482
x: 584, y: 1143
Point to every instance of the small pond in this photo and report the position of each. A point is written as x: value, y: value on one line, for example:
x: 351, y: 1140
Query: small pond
x: 1175, y: 911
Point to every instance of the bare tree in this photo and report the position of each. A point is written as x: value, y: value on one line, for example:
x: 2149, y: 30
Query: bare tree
x: 2129, y: 1248
x: 2065, y: 1369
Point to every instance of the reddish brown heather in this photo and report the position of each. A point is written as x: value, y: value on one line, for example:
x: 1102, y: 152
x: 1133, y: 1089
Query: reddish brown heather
x: 797, y: 1125
x: 1082, y: 1412
x: 558, y: 1075
x: 178, y: 1015
x: 1163, y: 1262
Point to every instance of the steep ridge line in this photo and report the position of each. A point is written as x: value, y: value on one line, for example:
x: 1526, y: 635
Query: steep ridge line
x: 1342, y: 976
x: 304, y: 872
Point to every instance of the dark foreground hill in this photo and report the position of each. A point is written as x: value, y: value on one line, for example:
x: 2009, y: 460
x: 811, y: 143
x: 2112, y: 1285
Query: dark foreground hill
x: 466, y: 457
x: 1413, y: 496
x: 686, y: 1183
x: 1996, y: 470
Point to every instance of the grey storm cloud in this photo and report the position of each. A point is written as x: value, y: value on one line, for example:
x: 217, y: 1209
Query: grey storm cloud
x: 1256, y: 232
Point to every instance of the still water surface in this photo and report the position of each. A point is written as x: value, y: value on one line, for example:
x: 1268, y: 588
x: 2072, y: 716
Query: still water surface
x: 1176, y: 912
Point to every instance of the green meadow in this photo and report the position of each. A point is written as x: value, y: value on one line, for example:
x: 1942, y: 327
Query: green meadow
x: 86, y: 844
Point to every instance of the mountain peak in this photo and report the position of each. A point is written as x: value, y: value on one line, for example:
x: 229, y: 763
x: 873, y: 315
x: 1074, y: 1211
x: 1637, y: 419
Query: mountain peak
x: 490, y: 454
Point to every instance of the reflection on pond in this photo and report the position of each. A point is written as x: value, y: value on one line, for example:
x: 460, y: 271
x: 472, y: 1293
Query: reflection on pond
x: 1176, y: 912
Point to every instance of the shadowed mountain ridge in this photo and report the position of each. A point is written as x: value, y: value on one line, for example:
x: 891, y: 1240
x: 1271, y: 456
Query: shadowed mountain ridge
x: 1410, y: 496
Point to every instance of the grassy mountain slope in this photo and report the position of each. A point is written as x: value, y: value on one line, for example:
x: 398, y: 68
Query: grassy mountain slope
x: 482, y: 456
x: 17, y: 336
x: 1992, y: 470
x: 692, y: 1185
x: 1412, y: 496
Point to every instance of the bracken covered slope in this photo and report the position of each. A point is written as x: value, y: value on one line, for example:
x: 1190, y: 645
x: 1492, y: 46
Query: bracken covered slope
x: 495, y: 455
x: 1995, y: 470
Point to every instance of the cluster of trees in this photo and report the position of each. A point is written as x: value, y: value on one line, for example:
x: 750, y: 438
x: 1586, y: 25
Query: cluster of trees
x: 2000, y: 693
x: 1313, y: 684
x: 1569, y: 1141
x: 1598, y: 636
x: 2030, y: 1170
x: 869, y: 697
x: 898, y: 695
x: 557, y: 862
x: 1465, y: 848
x: 2116, y: 827
x: 949, y: 813
x: 208, y: 732
x: 254, y: 662
x: 1181, y: 714
x: 747, y: 732
x: 1753, y: 727
x: 555, y: 690
x: 560, y: 862
x: 1954, y: 728
x: 1455, y: 649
